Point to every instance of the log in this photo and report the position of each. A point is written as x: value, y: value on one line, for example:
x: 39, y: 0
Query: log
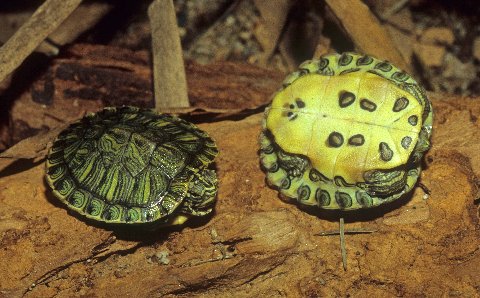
x: 88, y: 77
x: 256, y: 244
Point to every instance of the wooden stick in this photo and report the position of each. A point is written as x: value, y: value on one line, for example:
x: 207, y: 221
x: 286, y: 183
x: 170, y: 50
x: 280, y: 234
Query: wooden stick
x: 366, y: 31
x: 342, y: 244
x: 170, y: 83
x: 43, y: 22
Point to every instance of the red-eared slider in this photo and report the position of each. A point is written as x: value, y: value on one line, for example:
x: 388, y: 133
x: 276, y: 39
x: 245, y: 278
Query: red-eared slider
x: 133, y: 166
x: 346, y: 132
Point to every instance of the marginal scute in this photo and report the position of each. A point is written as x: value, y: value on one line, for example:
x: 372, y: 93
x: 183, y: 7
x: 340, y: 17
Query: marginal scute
x: 322, y: 197
x: 383, y: 66
x: 285, y: 184
x: 400, y: 76
x: 363, y: 199
x: 343, y: 200
x: 345, y: 59
x: 303, y: 193
x: 365, y: 60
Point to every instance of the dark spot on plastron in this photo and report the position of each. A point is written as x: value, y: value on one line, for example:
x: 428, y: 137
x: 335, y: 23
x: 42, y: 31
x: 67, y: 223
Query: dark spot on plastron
x: 335, y: 139
x: 368, y: 105
x: 413, y: 120
x: 356, y: 140
x: 400, y: 104
x: 386, y: 153
x: 300, y: 103
x: 406, y: 141
x: 345, y: 99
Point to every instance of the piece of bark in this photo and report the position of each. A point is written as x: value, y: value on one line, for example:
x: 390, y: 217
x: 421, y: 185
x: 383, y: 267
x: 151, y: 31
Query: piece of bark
x: 43, y: 22
x: 300, y: 38
x: 88, y: 77
x: 273, y: 17
x: 169, y: 79
x: 366, y: 32
x: 438, y: 36
x: 81, y: 20
x: 430, y: 55
x: 476, y: 48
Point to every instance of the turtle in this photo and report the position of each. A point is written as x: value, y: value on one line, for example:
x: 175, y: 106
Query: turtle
x: 130, y: 166
x: 346, y: 132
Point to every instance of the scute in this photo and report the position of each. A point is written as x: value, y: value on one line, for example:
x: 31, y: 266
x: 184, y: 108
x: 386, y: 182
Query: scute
x: 358, y: 115
x: 128, y: 165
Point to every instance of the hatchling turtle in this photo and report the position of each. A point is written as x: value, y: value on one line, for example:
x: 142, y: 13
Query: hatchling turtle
x: 132, y: 166
x: 346, y: 132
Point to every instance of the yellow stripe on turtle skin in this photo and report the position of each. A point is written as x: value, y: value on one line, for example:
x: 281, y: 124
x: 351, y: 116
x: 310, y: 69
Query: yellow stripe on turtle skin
x: 146, y: 189
x: 84, y: 170
x: 112, y: 181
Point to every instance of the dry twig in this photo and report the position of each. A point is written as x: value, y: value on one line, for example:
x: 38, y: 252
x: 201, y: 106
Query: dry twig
x: 43, y: 22
x: 170, y: 82
x: 366, y: 31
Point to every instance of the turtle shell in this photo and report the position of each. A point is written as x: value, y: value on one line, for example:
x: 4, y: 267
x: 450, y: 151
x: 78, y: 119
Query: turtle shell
x: 127, y: 165
x: 346, y: 132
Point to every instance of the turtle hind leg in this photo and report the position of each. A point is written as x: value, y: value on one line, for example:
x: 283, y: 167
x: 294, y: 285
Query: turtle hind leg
x: 201, y: 194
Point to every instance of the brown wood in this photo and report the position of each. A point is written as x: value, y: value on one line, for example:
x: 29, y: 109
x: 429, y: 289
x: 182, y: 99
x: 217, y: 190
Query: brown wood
x: 366, y: 32
x: 89, y: 77
x: 170, y: 83
x: 43, y: 22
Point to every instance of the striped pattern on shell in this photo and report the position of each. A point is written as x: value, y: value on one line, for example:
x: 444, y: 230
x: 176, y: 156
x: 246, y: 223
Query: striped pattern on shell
x: 128, y: 165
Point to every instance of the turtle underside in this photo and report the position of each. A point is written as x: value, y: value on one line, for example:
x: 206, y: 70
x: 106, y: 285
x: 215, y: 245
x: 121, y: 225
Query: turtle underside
x: 346, y: 132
